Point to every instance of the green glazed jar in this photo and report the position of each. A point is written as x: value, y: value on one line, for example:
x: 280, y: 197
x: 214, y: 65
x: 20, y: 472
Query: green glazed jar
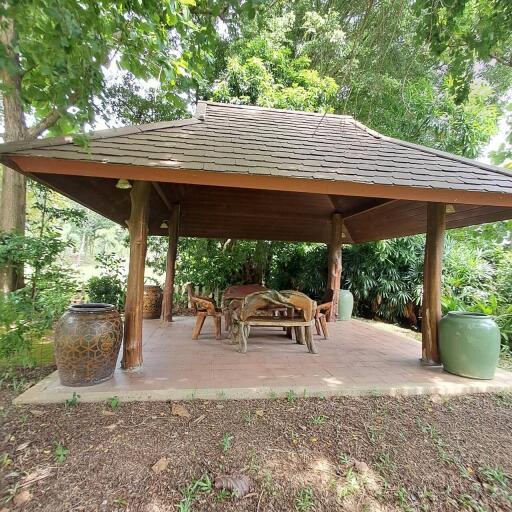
x: 469, y: 344
x: 345, y: 305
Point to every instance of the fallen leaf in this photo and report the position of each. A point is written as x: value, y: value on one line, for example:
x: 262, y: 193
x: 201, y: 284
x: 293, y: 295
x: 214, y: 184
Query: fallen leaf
x: 179, y: 410
x: 259, y: 412
x: 36, y: 475
x: 21, y: 498
x: 37, y: 412
x: 239, y: 484
x: 199, y: 418
x: 112, y: 426
x: 160, y: 465
x: 107, y: 413
x: 22, y: 446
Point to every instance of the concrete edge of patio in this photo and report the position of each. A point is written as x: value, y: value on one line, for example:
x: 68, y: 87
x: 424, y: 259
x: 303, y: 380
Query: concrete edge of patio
x: 36, y: 394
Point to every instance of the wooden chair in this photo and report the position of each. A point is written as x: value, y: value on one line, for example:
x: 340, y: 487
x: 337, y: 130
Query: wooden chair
x: 323, y: 310
x: 204, y: 306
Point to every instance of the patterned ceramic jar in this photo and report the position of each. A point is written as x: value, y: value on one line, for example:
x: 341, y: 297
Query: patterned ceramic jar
x: 152, y: 301
x: 87, y: 342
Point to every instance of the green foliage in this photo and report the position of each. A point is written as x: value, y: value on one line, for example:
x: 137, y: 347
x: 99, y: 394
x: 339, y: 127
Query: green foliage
x: 465, y: 32
x: 386, y: 77
x: 503, y: 155
x: 263, y: 71
x: 26, y: 314
x: 299, y: 267
x: 110, y: 287
x: 130, y: 103
x: 106, y: 289
x: 386, y: 278
x: 60, y: 60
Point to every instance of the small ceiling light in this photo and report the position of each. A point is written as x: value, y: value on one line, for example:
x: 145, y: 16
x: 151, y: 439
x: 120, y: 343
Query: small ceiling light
x: 123, y: 184
x: 450, y: 208
x: 164, y: 224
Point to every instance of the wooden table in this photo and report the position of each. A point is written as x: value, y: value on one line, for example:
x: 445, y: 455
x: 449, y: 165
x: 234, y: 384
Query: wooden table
x: 240, y: 291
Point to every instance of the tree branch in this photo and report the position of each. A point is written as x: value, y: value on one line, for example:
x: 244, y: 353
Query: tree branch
x: 501, y: 60
x: 34, y: 131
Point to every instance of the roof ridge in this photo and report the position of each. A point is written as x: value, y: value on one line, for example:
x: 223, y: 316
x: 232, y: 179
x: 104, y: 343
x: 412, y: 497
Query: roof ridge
x: 434, y: 151
x: 271, y: 109
x: 99, y: 134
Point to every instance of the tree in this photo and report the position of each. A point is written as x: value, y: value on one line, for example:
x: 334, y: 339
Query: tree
x: 52, y: 59
x: 263, y: 71
x: 128, y: 102
x: 387, y: 78
x: 463, y: 33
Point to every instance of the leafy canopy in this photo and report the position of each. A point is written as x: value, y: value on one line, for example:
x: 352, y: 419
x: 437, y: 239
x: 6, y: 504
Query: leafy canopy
x: 263, y: 71
x: 61, y: 48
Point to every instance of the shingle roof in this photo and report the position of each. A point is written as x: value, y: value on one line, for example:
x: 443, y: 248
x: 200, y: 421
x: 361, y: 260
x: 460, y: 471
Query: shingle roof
x: 260, y: 141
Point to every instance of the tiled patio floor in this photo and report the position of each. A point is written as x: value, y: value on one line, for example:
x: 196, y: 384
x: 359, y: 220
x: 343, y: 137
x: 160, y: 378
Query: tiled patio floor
x: 359, y: 358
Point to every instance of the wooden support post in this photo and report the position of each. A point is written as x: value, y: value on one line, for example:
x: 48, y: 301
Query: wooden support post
x: 334, y: 270
x: 138, y: 230
x: 432, y: 270
x: 170, y: 269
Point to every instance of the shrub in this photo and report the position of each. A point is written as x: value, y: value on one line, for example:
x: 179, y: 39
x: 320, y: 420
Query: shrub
x: 106, y: 289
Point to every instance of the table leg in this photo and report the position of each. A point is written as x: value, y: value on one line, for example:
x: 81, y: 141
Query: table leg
x: 310, y: 342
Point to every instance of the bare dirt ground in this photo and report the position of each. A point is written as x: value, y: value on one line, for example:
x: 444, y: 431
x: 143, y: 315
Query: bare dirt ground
x: 300, y: 454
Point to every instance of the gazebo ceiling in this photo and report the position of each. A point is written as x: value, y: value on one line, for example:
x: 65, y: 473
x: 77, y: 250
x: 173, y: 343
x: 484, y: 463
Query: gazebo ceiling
x: 246, y: 172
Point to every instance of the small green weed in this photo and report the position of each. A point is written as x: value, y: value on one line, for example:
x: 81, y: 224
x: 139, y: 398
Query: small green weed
x: 494, y: 475
x: 402, y: 497
x: 304, y: 500
x: 272, y: 395
x: 470, y: 503
x: 318, y: 420
x: 224, y: 495
x: 120, y: 502
x: 73, y: 401
x: 247, y: 417
x: 291, y: 396
x: 113, y: 402
x: 190, y: 492
x: 384, y: 462
x: 61, y: 452
x: 268, y: 484
x: 226, y: 442
x: 5, y: 460
x: 343, y: 458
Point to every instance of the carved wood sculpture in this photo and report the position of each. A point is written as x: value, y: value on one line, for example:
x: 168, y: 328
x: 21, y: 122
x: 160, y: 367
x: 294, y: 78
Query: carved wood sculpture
x: 204, y: 306
x: 249, y: 315
x: 233, y: 297
x: 322, y: 313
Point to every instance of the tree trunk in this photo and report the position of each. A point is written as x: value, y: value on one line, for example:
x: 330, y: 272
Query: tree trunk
x: 170, y: 269
x: 432, y: 271
x: 334, y: 270
x: 12, y: 200
x: 133, y: 314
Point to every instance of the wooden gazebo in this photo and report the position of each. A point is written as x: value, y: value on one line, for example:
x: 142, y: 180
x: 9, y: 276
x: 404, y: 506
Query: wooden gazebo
x: 245, y: 172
